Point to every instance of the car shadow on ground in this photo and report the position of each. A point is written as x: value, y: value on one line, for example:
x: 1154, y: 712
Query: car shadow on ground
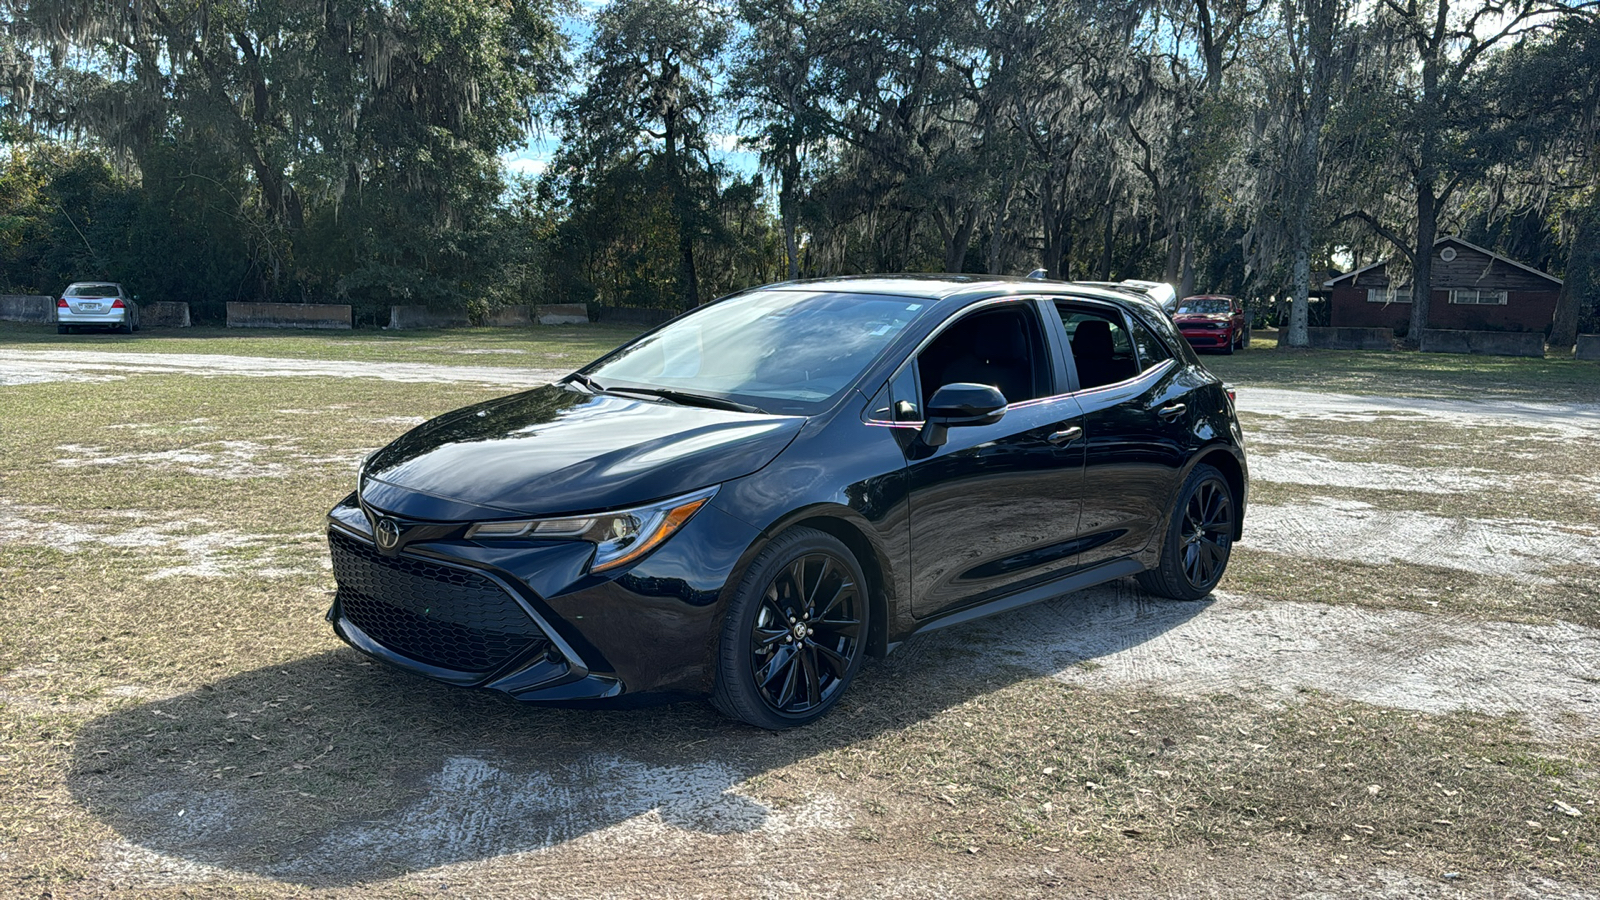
x: 332, y: 770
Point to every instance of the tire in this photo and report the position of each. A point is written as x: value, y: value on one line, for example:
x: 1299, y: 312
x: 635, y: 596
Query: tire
x: 765, y: 676
x: 63, y: 329
x: 125, y: 328
x: 1199, y: 538
x: 1233, y: 341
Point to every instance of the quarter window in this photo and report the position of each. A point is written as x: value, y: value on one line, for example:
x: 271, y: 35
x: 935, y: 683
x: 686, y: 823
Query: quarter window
x: 1151, y: 349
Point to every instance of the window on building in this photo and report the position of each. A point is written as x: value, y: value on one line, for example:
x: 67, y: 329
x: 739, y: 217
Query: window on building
x: 1382, y: 295
x: 1469, y: 296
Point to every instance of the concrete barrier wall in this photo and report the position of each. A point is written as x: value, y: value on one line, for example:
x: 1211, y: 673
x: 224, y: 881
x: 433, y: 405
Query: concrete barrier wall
x: 164, y: 314
x: 509, y: 317
x: 1487, y: 343
x: 1588, y: 346
x: 401, y: 317
x: 562, y: 314
x: 27, y: 308
x: 632, y: 315
x: 288, y: 315
x: 1347, y: 338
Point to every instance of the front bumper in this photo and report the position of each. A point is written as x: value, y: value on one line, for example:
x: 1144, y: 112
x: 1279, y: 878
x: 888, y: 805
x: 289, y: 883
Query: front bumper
x: 1208, y: 338
x: 524, y: 618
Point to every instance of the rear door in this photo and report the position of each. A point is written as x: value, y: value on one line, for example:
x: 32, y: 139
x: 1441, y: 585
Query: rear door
x: 1137, y: 422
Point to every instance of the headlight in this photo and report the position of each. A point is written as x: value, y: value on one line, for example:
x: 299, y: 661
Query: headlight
x: 620, y: 537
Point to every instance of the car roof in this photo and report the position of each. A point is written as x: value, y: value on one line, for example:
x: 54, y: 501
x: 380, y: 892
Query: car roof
x: 959, y: 288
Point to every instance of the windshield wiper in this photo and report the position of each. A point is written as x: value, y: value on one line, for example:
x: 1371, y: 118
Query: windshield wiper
x: 688, y: 399
x: 586, y: 381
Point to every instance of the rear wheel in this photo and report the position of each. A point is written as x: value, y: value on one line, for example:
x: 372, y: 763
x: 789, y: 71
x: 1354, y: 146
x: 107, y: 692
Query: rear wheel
x: 126, y: 327
x: 795, y: 633
x: 63, y: 329
x: 1199, y: 538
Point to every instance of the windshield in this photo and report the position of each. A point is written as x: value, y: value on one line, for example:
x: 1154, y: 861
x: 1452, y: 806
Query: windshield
x: 1205, y: 305
x: 92, y: 290
x: 785, y: 352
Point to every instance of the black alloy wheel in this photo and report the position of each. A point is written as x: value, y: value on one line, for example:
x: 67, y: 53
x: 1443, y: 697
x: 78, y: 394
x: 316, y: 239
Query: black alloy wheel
x: 1199, y: 539
x: 795, y: 633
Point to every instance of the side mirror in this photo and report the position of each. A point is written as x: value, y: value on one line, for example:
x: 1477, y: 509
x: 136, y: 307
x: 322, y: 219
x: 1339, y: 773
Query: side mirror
x: 960, y: 405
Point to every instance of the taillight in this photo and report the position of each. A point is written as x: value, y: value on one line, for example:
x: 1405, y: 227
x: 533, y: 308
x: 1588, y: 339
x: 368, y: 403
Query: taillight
x: 1232, y: 394
x: 118, y: 304
x: 62, y: 303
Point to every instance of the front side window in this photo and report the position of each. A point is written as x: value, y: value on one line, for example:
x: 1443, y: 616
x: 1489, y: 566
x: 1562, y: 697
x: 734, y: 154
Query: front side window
x: 1002, y: 346
x: 788, y: 352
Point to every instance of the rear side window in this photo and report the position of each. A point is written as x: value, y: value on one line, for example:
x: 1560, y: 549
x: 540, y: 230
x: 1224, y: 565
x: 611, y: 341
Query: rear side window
x: 1102, y: 349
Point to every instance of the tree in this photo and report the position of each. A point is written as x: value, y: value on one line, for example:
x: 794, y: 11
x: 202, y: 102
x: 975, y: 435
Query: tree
x: 651, y: 70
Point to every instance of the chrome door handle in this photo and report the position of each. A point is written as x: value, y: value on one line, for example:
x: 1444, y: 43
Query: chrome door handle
x: 1065, y: 436
x: 1169, y: 412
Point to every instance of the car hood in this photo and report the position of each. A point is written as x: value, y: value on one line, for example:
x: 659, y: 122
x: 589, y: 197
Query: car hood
x: 555, y: 450
x: 1201, y: 317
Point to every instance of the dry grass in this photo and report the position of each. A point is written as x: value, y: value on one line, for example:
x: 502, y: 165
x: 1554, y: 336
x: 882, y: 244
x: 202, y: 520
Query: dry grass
x: 213, y: 720
x: 1401, y: 374
x: 543, y: 347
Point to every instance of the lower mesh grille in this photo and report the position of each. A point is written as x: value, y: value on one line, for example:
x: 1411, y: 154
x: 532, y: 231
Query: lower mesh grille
x: 436, y: 614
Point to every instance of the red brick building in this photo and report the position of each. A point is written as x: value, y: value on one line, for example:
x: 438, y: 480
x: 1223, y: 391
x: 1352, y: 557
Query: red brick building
x: 1473, y: 290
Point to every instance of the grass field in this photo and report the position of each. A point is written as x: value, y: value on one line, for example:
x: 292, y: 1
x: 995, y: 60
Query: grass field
x: 1392, y: 692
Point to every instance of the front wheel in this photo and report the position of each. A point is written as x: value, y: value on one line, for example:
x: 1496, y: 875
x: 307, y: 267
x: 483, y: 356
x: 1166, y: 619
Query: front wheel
x: 795, y: 633
x: 1199, y: 538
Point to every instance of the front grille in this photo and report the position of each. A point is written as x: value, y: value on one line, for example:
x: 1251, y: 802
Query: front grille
x: 436, y: 614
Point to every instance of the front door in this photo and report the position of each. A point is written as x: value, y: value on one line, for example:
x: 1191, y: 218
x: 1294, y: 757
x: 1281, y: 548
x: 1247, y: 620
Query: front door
x: 996, y: 508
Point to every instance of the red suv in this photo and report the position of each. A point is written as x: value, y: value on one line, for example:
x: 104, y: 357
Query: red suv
x: 1213, y: 322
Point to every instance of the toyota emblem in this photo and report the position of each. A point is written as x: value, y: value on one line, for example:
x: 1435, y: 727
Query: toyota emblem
x: 388, y: 534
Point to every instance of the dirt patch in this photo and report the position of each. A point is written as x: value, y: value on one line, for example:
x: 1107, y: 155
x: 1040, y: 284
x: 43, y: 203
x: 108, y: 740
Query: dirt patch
x: 1570, y: 419
x: 1308, y: 468
x: 1548, y: 673
x: 196, y: 546
x: 1330, y: 528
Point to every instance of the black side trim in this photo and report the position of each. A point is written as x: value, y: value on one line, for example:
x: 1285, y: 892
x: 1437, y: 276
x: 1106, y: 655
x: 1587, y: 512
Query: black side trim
x: 1076, y: 581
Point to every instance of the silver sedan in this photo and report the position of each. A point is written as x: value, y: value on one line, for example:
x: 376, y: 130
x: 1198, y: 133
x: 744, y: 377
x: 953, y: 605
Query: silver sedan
x: 96, y: 304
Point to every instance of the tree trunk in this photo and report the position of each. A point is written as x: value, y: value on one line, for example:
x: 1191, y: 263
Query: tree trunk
x: 997, y: 244
x: 688, y: 282
x: 1579, y: 275
x: 786, y: 203
x: 1422, y: 261
x: 1107, y: 241
x: 1055, y: 227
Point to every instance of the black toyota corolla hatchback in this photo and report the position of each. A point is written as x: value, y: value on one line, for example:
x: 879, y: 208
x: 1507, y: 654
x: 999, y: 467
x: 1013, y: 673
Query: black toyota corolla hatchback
x: 747, y: 501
